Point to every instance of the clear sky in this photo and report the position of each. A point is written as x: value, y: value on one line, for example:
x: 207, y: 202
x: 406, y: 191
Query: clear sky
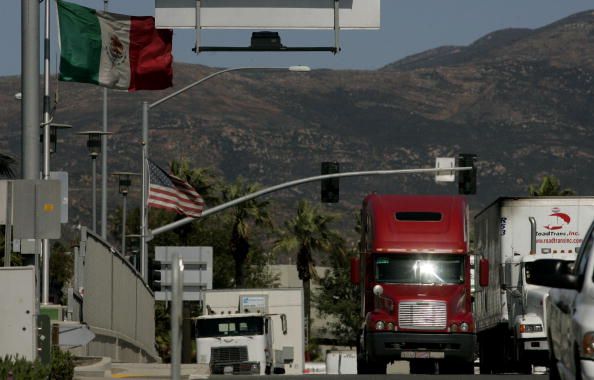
x: 407, y: 27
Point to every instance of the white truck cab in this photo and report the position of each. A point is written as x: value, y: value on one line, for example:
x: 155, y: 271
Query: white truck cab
x: 527, y: 309
x: 239, y: 343
x: 569, y: 311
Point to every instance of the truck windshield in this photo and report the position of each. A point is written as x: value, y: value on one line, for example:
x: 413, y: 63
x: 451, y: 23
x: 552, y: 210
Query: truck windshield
x: 415, y: 269
x: 219, y: 327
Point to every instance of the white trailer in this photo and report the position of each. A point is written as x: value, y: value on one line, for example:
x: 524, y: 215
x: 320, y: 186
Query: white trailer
x: 258, y: 331
x: 511, y: 233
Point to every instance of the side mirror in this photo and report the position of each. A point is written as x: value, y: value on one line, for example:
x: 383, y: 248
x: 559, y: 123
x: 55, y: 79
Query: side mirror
x: 283, y: 318
x: 484, y: 273
x: 551, y: 273
x: 355, y: 272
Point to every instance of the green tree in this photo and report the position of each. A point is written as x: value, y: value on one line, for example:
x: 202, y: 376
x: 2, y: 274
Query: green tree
x: 339, y: 298
x: 549, y: 186
x: 244, y: 217
x: 308, y: 232
x: 6, y: 164
x: 61, y: 271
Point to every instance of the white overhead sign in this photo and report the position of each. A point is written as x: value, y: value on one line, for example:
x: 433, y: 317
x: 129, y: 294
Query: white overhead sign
x: 266, y: 14
x: 197, y: 271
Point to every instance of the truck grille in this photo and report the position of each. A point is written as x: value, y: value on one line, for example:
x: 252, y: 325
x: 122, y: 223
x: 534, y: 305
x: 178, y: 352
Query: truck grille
x: 222, y: 355
x: 422, y: 315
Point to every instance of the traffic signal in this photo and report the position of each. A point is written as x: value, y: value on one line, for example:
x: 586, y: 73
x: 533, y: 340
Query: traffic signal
x: 330, y: 187
x: 154, y: 275
x: 467, y: 178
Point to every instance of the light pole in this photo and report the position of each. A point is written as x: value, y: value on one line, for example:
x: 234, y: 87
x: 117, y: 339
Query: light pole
x: 94, y: 146
x: 124, y: 182
x: 146, y: 107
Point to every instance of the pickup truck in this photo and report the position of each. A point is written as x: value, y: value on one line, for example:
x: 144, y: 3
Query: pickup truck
x: 569, y: 308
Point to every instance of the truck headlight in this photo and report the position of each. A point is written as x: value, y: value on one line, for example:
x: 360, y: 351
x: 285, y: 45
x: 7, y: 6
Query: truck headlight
x: 464, y: 327
x: 588, y: 345
x: 379, y: 325
x: 390, y: 326
x: 454, y: 327
x: 532, y: 328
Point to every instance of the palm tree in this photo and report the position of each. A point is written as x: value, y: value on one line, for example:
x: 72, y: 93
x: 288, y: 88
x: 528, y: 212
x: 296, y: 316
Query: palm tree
x: 6, y: 163
x: 206, y: 183
x: 549, y: 186
x: 244, y: 215
x: 308, y: 232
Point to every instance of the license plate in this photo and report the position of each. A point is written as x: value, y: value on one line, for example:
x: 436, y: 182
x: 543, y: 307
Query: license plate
x: 422, y: 355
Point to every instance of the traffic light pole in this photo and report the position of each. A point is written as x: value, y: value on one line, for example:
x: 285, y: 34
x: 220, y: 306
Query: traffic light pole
x: 219, y: 208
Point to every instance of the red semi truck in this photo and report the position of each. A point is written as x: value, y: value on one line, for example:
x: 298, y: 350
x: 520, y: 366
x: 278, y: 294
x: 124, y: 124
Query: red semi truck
x: 414, y: 273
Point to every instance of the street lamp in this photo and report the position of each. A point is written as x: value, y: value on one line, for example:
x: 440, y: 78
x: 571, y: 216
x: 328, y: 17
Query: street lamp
x: 146, y: 107
x: 94, y: 146
x: 124, y: 182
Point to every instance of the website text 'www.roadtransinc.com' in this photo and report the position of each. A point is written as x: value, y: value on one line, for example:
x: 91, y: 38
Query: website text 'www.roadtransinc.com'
x: 553, y: 237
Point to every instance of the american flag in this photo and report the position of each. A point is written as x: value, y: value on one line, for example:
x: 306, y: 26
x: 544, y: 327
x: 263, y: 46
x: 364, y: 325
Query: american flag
x: 168, y: 192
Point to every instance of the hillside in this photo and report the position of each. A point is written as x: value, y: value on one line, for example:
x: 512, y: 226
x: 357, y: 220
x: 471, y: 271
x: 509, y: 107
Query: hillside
x: 520, y: 99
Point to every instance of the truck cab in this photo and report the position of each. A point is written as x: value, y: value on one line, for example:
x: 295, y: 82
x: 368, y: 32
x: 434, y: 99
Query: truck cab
x: 414, y: 276
x: 526, y: 308
x: 239, y: 343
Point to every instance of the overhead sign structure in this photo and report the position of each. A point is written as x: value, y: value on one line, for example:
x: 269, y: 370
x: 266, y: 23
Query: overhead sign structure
x: 266, y: 14
x: 197, y: 271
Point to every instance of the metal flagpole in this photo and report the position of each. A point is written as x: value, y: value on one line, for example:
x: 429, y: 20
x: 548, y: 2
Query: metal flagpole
x: 143, y: 208
x: 104, y: 159
x: 45, y: 250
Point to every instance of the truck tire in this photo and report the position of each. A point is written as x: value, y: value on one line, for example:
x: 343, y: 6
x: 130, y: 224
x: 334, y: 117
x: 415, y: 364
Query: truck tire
x: 456, y: 367
x: 367, y: 365
x: 485, y: 355
x: 524, y: 367
x: 423, y: 367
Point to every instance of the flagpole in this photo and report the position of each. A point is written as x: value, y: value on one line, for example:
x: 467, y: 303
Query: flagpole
x: 104, y: 159
x: 45, y: 244
x: 143, y: 207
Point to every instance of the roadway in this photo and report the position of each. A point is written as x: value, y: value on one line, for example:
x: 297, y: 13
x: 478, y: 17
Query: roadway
x: 194, y: 371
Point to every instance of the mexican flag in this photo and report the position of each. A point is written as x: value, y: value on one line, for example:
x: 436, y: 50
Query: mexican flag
x: 113, y: 50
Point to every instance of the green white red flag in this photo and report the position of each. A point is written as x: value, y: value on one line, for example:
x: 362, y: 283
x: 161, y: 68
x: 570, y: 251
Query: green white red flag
x: 112, y: 50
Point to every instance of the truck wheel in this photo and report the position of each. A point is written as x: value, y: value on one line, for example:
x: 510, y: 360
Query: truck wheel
x: 365, y: 367
x: 426, y: 367
x: 553, y: 370
x: 524, y: 368
x: 456, y: 367
x: 484, y: 356
x: 578, y: 364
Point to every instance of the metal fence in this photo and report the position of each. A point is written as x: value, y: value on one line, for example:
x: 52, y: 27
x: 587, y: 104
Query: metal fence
x: 111, y: 297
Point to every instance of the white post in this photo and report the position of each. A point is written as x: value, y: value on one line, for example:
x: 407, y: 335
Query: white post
x: 177, y: 279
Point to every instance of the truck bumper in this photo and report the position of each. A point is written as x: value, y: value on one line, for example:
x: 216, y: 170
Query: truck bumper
x: 587, y: 369
x: 535, y: 351
x: 407, y: 346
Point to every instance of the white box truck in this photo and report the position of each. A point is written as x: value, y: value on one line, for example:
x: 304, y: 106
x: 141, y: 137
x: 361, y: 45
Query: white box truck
x: 252, y: 331
x: 511, y: 234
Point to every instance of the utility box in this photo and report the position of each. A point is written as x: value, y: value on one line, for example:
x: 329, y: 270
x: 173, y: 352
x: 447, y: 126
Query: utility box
x: 18, y: 330
x: 36, y: 206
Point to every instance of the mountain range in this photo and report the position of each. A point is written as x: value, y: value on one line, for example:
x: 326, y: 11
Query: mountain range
x: 521, y: 99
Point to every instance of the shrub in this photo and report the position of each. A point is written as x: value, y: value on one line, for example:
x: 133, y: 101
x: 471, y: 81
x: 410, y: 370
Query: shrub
x: 21, y: 369
x: 62, y: 365
x: 18, y: 368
